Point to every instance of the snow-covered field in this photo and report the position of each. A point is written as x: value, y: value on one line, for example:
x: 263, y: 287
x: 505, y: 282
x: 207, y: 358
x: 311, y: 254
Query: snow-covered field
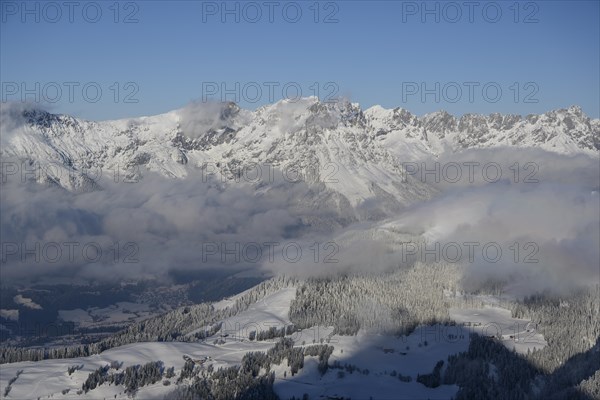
x: 518, y: 334
x: 119, y: 313
x: 381, y: 355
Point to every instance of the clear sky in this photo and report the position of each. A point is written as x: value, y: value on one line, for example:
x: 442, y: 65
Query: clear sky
x: 542, y: 55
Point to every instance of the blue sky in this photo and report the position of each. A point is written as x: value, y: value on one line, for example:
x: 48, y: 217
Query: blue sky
x: 378, y: 52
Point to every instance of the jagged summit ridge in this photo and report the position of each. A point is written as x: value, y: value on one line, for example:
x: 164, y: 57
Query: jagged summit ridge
x: 362, y: 148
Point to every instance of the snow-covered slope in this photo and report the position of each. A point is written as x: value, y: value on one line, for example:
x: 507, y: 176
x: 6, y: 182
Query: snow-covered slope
x: 380, y: 359
x: 368, y: 364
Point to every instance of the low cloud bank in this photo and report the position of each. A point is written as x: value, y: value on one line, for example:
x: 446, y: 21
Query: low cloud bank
x: 548, y: 230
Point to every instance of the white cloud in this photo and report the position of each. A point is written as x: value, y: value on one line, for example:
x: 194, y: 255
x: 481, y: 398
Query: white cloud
x: 12, y: 315
x: 26, y: 302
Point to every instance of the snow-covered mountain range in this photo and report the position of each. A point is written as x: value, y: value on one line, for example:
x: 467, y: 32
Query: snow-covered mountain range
x: 348, y: 154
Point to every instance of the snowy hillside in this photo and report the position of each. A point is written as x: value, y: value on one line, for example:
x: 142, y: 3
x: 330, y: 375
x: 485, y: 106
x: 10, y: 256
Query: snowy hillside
x: 368, y: 364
